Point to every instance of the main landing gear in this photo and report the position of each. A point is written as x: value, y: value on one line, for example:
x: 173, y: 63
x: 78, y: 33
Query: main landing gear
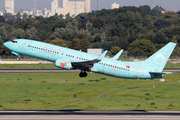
x: 18, y: 58
x: 83, y: 74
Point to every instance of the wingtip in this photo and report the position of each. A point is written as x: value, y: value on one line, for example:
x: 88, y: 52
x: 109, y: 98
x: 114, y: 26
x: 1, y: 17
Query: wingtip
x: 118, y: 55
x: 102, y: 56
x: 173, y: 43
x: 105, y: 51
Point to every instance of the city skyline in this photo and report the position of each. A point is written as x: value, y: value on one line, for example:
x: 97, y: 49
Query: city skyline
x: 71, y: 7
x: 170, y: 5
x: 9, y: 6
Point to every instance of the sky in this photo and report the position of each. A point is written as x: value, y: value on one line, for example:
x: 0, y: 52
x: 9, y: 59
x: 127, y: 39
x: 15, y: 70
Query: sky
x: 171, y: 5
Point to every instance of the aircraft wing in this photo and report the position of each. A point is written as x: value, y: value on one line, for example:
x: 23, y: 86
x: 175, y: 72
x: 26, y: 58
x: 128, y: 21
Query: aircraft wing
x: 88, y: 64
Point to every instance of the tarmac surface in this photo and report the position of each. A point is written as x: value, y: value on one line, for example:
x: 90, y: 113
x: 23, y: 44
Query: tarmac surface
x: 80, y: 112
x: 177, y: 70
x: 89, y: 115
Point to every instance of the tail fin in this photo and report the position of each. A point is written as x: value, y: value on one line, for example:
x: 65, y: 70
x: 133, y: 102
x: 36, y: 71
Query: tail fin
x: 160, y: 58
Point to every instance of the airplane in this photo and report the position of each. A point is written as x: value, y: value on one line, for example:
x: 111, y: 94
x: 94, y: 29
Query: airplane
x: 118, y: 55
x: 72, y: 59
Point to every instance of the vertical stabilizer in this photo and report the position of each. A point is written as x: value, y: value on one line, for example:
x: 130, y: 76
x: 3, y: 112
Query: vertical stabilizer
x: 160, y: 58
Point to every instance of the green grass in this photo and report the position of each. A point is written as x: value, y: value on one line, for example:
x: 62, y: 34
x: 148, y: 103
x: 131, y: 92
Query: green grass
x: 171, y: 65
x: 129, y: 59
x: 51, y: 66
x: 28, y: 66
x: 47, y: 92
x: 22, y: 59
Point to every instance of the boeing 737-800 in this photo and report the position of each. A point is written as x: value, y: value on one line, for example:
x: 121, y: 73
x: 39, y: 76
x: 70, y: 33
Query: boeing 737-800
x: 72, y: 59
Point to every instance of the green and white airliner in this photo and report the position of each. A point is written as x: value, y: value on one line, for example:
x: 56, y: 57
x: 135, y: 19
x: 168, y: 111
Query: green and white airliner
x: 72, y: 59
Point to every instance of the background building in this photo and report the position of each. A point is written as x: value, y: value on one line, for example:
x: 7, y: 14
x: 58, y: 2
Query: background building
x: 159, y: 8
x: 9, y: 6
x: 1, y: 13
x: 72, y: 7
x: 95, y: 51
x: 46, y: 12
x: 54, y: 7
x: 114, y: 5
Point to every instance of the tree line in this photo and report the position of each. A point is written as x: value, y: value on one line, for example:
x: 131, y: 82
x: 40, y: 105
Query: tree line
x: 125, y: 28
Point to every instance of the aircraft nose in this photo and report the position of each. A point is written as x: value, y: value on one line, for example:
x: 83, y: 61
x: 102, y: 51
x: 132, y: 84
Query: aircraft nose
x: 6, y: 44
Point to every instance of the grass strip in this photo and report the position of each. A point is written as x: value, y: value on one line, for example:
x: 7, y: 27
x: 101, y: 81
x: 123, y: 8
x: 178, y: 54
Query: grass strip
x: 54, y: 91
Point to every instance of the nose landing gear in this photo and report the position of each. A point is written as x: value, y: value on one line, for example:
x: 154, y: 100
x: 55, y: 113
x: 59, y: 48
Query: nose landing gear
x: 18, y: 58
x: 83, y: 74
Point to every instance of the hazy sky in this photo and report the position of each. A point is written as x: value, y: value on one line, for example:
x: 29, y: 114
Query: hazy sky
x: 167, y: 4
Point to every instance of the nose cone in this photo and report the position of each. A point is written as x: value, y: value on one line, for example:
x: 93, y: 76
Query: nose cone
x: 6, y: 44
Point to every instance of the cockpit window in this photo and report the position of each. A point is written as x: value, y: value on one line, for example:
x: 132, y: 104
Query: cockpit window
x: 14, y: 41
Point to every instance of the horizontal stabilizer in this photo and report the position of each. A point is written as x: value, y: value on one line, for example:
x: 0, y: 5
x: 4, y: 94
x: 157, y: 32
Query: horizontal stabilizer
x: 102, y: 56
x: 157, y: 73
x: 118, y: 55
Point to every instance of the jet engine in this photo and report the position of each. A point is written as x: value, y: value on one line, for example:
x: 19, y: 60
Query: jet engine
x: 63, y: 64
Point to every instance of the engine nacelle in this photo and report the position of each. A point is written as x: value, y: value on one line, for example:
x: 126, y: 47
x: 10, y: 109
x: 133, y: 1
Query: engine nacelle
x: 63, y: 64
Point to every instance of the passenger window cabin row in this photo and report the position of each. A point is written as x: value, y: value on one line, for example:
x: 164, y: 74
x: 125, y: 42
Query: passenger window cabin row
x: 80, y: 58
x: 120, y: 68
x: 38, y: 48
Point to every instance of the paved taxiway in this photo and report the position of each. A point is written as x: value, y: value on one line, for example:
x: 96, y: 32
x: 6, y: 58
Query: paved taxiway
x: 89, y: 115
x: 60, y: 70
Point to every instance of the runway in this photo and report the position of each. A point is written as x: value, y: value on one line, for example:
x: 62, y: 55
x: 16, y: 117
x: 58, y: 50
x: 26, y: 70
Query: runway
x: 81, y: 112
x: 177, y: 70
x: 89, y: 115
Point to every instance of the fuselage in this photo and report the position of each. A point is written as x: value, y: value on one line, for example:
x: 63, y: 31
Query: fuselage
x: 51, y: 53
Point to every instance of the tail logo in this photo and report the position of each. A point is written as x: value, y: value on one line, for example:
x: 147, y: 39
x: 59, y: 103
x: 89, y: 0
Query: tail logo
x: 159, y: 59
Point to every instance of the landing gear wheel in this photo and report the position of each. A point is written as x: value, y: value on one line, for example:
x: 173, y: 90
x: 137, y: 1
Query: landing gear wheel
x: 18, y: 58
x: 83, y: 74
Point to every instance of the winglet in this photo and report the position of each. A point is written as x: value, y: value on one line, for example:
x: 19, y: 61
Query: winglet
x: 118, y: 55
x: 102, y: 56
